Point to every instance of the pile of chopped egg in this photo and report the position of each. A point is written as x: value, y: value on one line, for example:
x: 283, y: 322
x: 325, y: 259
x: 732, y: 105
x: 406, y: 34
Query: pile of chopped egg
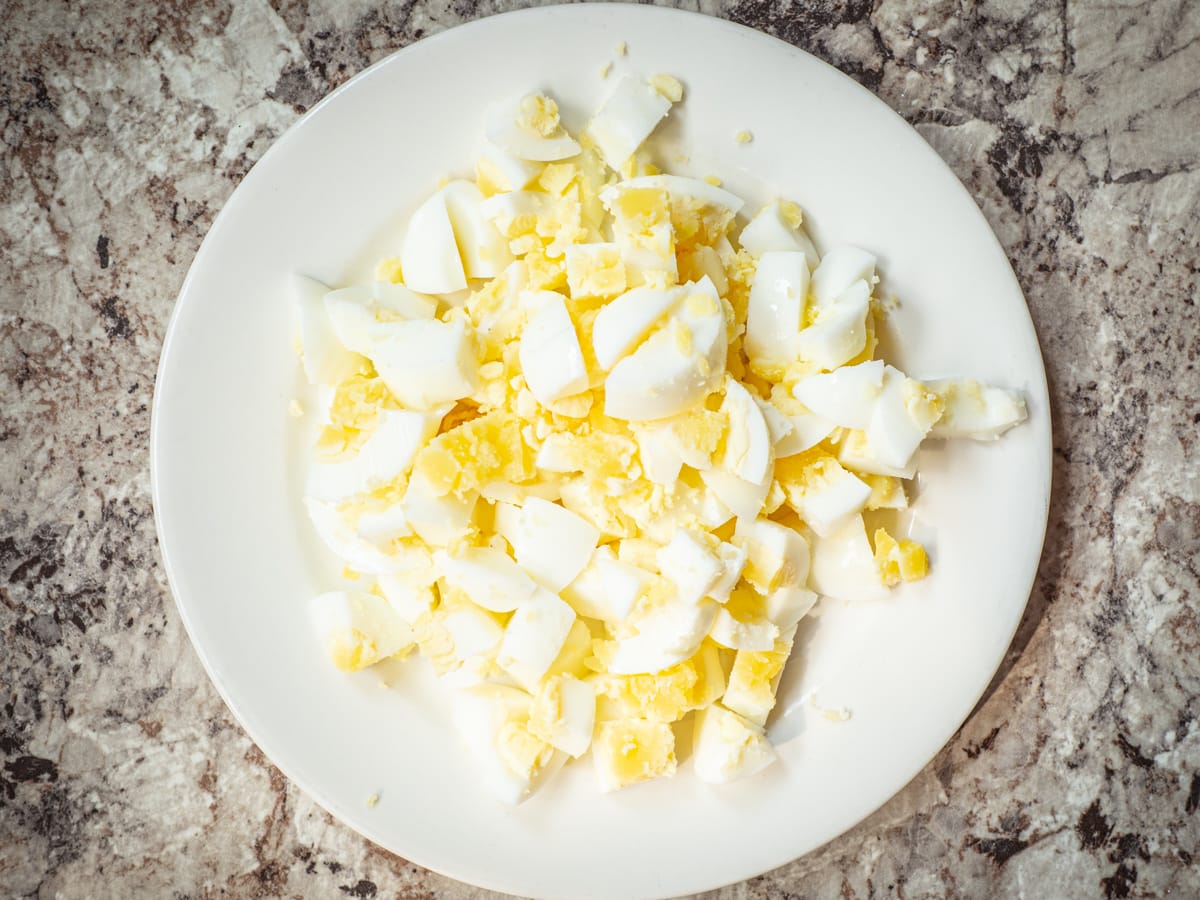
x: 592, y: 446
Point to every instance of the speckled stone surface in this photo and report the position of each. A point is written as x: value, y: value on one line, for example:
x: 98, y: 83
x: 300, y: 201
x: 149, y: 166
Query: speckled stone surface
x: 1076, y: 127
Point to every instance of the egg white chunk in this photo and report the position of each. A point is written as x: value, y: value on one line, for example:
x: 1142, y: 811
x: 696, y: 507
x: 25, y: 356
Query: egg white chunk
x: 574, y: 712
x: 534, y: 636
x: 828, y: 501
x: 383, y: 457
x: 900, y: 419
x: 691, y: 565
x: 485, y: 716
x: 841, y: 267
x: 487, y: 576
x: 551, y: 543
x: 843, y: 565
x: 362, y: 315
x: 382, y: 526
x: 484, y: 251
x: 733, y: 563
x: 749, y: 450
x: 437, y: 519
x: 788, y: 604
x: 775, y: 554
x: 661, y: 462
x: 744, y: 498
x: 427, y: 363
x: 411, y: 601
x: 676, y: 367
x: 551, y: 359
x: 359, y: 626
x: 840, y: 333
x: 808, y: 430
x: 506, y: 131
x: 607, y: 588
x: 516, y: 173
x: 777, y: 301
x: 625, y: 321
x: 341, y: 537
x: 726, y: 747
x: 429, y: 257
x: 846, y: 396
x: 770, y: 231
x: 737, y: 634
x: 975, y: 410
x: 667, y: 635
x: 325, y: 359
x: 626, y: 119
x: 855, y: 452
x: 679, y: 188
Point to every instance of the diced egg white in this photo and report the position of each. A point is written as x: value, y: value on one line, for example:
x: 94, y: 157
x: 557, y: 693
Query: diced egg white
x: 626, y: 119
x: 840, y: 333
x: 483, y: 250
x: 661, y: 462
x: 667, y: 635
x: 846, y: 396
x: 744, y: 498
x: 489, y: 577
x: 426, y: 363
x: 749, y: 450
x: 429, y: 258
x: 974, y: 410
x: 757, y: 633
x: 829, y: 496
x: 776, y: 556
x: 788, y: 604
x: 691, y: 564
x: 510, y: 127
x: 843, y: 565
x: 770, y: 231
x: 492, y: 721
x: 438, y: 519
x: 412, y: 601
x: 808, y: 430
x: 362, y: 315
x: 551, y: 359
x: 551, y: 543
x: 564, y: 714
x: 903, y: 414
x: 359, y: 628
x: 607, y: 588
x: 325, y: 359
x: 839, y: 269
x: 777, y: 301
x: 384, y: 456
x: 624, y: 322
x: 726, y: 747
x: 341, y: 537
x: 534, y: 636
x: 516, y: 174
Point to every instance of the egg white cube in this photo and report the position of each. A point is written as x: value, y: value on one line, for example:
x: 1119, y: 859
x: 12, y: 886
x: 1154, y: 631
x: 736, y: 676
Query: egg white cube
x: 788, y: 604
x: 382, y: 526
x: 840, y: 333
x: 779, y: 426
x: 667, y: 634
x: 550, y: 356
x: 359, y: 628
x: 564, y: 714
x: 769, y: 231
x: 743, y: 498
x: 749, y: 450
x: 974, y: 410
x: 626, y: 118
x: 843, y: 565
x: 899, y: 420
x: 429, y: 257
x: 426, y: 363
x: 661, y: 461
x: 490, y: 578
x: 733, y: 564
x: 483, y: 250
x: 776, y: 556
x: 361, y: 315
x: 325, y: 359
x: 676, y: 367
x: 550, y: 542
x: 846, y: 396
x: 504, y: 130
x: 839, y: 269
x: 776, y: 310
x: 726, y: 746
x: 689, y: 562
x: 808, y: 430
x: 743, y: 634
x: 607, y: 588
x: 534, y: 636
x: 825, y: 505
x: 517, y: 173
x: 486, y: 717
x: 855, y: 452
x: 626, y: 320
x: 339, y: 535
x: 438, y: 519
x: 384, y: 456
x: 411, y: 600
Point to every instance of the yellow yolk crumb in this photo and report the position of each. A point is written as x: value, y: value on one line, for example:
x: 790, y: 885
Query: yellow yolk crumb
x: 483, y: 450
x: 743, y: 137
x: 899, y: 560
x: 668, y: 86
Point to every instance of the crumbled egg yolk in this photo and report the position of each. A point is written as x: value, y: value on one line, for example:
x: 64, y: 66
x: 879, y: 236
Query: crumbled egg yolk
x: 579, y: 228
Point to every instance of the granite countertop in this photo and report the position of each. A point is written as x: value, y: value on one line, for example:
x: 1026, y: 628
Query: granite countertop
x: 1074, y: 125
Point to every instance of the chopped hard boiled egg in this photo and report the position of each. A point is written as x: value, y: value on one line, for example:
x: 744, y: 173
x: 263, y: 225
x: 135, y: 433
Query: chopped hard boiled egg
x: 594, y: 447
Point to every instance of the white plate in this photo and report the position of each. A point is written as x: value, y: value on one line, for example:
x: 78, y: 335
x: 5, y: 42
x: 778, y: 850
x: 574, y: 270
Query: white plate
x: 331, y: 197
